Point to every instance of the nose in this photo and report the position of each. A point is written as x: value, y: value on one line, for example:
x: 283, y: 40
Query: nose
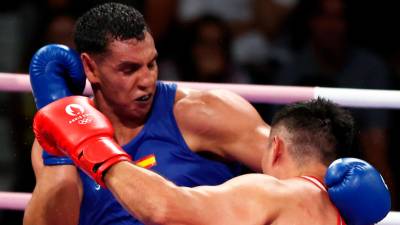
x: 146, y: 78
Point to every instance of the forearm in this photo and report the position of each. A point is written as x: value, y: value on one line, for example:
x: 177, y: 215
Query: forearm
x: 146, y: 195
x: 154, y: 200
x: 54, y: 201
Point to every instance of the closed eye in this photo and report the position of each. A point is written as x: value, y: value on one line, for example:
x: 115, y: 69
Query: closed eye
x: 152, y: 65
x: 128, y: 68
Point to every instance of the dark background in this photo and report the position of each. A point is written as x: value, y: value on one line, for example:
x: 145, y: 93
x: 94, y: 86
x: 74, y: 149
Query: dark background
x: 261, y: 46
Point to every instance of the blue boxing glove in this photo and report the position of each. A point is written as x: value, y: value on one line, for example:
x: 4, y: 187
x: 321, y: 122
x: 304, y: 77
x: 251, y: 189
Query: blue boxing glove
x: 55, y: 72
x: 358, y: 191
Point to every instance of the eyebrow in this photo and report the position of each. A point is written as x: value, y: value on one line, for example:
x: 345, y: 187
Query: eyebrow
x: 124, y: 64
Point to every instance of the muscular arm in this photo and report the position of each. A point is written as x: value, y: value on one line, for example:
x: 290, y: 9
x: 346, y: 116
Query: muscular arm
x: 223, y: 123
x: 154, y: 200
x: 57, y: 194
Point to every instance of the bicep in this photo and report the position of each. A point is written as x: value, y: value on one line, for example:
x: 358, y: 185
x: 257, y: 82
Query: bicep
x: 247, y: 144
x: 243, y: 134
x: 225, y: 124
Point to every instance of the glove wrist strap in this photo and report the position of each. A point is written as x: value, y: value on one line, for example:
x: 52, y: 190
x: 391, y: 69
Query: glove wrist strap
x: 97, y: 155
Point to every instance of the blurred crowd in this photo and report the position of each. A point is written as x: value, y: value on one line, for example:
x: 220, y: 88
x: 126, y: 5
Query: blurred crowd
x: 329, y: 43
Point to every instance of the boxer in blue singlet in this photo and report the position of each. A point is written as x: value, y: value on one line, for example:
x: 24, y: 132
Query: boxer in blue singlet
x: 159, y: 147
x: 190, y: 137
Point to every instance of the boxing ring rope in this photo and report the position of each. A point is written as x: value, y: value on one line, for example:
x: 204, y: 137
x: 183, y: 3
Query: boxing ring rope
x: 14, y: 200
x: 348, y: 97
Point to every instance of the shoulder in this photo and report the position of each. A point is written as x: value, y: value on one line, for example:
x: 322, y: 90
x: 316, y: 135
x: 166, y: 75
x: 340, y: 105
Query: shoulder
x: 210, y: 97
x: 254, y: 181
x: 212, y: 106
x: 214, y: 113
x: 261, y: 194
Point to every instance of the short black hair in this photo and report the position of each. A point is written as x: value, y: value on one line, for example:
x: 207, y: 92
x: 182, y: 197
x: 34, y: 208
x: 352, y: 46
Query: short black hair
x: 107, y: 22
x: 316, y: 127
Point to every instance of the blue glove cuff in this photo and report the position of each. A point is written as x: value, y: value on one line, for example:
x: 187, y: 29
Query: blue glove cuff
x: 52, y: 160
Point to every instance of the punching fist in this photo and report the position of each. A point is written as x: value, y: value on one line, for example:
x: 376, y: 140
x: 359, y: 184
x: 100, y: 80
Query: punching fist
x: 55, y: 72
x: 358, y: 191
x: 72, y: 126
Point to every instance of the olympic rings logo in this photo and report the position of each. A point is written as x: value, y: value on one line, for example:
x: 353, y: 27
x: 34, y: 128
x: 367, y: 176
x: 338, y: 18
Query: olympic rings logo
x: 85, y: 121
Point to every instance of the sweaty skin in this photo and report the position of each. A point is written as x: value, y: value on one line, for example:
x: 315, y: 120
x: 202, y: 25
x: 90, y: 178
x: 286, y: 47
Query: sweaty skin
x: 254, y: 199
x: 217, y: 123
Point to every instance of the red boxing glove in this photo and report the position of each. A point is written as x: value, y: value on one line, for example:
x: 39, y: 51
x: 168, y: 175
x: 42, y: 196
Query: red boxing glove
x: 72, y: 126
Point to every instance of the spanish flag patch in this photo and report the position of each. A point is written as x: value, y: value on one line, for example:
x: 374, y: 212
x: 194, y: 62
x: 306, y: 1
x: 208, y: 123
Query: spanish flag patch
x: 147, y: 161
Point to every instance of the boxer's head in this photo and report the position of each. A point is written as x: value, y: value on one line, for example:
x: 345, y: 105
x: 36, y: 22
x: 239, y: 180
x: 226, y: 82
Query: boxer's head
x: 119, y: 57
x: 306, y: 133
x: 106, y: 23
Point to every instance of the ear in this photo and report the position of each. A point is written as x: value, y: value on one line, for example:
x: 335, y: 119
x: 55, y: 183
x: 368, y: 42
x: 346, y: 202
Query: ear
x: 90, y: 67
x: 277, y: 150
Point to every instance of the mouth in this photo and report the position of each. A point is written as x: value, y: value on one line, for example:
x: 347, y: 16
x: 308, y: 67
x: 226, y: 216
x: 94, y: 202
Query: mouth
x: 144, y: 98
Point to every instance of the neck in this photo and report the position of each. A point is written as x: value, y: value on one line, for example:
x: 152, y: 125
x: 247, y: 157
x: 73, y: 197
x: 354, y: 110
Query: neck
x: 125, y: 128
x: 306, y: 168
x: 123, y: 135
x: 318, y: 170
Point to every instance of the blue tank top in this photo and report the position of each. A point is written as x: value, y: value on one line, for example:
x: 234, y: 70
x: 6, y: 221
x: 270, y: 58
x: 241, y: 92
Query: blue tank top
x: 159, y: 147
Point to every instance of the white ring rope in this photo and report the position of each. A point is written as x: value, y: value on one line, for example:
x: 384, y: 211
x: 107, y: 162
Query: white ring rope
x: 349, y: 97
x: 14, y: 200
